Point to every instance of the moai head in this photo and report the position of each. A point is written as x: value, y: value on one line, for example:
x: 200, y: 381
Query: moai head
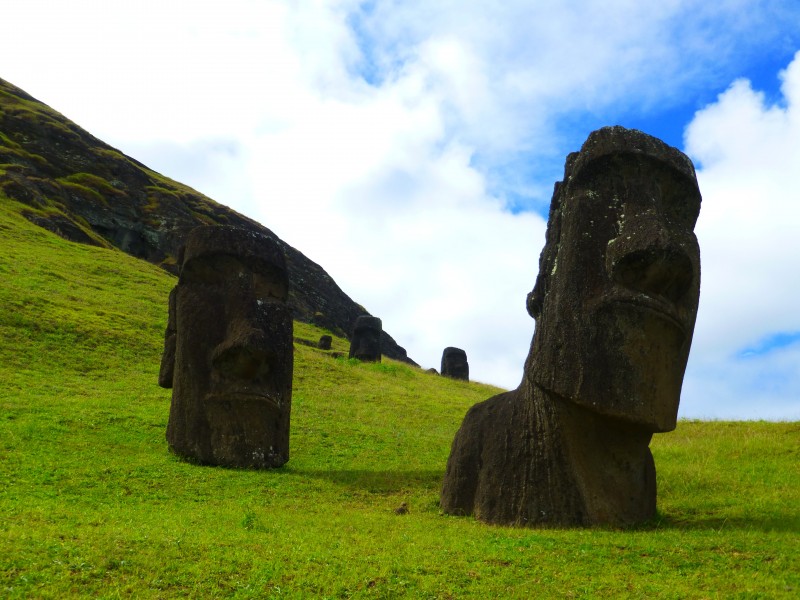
x: 366, y: 341
x: 228, y: 351
x: 454, y: 363
x: 325, y: 342
x: 619, y: 280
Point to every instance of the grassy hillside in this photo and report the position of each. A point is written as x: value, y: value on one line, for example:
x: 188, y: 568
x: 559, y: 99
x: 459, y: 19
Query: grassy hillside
x: 93, y: 504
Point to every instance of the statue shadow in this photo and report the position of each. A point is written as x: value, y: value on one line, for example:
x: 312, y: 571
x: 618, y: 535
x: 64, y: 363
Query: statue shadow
x: 392, y: 482
x: 785, y: 521
x: 377, y: 482
x: 430, y: 480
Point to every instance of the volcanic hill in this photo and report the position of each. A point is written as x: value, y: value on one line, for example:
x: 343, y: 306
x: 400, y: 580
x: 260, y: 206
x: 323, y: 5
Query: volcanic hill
x: 82, y: 189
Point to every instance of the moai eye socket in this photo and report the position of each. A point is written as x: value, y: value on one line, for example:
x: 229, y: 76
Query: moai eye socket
x: 270, y: 283
x: 216, y: 270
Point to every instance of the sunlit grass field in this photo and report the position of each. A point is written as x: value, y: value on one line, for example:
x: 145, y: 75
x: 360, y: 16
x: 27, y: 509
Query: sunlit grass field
x: 92, y: 504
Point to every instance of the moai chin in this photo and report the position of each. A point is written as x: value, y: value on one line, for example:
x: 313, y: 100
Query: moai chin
x: 228, y: 351
x: 615, y: 304
x: 454, y: 363
x: 365, y: 343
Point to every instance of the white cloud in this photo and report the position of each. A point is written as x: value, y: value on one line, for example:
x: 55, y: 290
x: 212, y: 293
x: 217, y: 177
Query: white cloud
x: 522, y: 66
x: 133, y: 72
x: 393, y: 209
x: 386, y: 140
x: 749, y: 156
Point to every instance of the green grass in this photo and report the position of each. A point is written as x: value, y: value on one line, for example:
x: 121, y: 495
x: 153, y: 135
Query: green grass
x: 93, y: 503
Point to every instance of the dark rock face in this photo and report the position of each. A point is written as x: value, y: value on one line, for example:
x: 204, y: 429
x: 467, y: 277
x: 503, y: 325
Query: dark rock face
x: 86, y: 191
x: 454, y: 363
x: 325, y: 342
x: 615, y: 303
x: 365, y: 343
x: 228, y: 351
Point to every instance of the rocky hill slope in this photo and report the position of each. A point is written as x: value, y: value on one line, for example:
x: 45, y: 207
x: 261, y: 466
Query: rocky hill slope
x: 86, y: 191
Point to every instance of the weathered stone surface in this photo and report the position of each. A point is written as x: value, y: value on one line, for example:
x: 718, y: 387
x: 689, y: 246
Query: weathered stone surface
x: 325, y: 342
x: 365, y: 343
x: 89, y: 192
x: 615, y: 303
x: 454, y: 363
x: 228, y: 352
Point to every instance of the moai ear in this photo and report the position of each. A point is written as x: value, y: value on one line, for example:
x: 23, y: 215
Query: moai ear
x: 167, y: 372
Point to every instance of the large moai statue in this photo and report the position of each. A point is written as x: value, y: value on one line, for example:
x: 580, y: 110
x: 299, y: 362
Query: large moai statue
x: 454, y: 363
x: 365, y: 343
x: 228, y: 351
x: 615, y: 304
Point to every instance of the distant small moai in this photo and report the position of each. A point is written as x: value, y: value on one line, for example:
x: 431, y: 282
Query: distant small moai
x: 365, y: 344
x: 454, y: 363
x: 325, y: 342
x: 228, y: 351
x: 615, y: 303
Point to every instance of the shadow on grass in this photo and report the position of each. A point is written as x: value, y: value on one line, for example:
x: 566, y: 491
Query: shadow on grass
x: 428, y: 480
x: 378, y: 481
x: 381, y: 481
x: 785, y: 521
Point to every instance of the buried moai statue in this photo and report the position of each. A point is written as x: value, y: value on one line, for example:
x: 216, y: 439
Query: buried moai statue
x: 324, y: 342
x: 228, y: 351
x: 454, y: 363
x: 365, y: 343
x: 615, y: 303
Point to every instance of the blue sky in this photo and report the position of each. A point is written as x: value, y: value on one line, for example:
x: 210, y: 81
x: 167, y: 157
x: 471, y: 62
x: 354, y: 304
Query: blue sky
x: 411, y: 147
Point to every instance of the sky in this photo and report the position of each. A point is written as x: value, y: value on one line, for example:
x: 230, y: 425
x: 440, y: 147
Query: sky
x: 411, y: 147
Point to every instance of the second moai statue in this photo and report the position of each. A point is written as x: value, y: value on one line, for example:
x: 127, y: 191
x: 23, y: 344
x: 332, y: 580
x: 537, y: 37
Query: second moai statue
x: 228, y: 351
x: 365, y: 343
x: 454, y: 363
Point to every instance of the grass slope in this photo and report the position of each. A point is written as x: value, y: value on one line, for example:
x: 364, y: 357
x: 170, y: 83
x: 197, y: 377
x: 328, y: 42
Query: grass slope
x: 93, y: 504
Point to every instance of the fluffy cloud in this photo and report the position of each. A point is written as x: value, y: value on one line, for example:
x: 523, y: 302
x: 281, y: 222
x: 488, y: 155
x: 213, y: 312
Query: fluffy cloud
x: 749, y: 158
x: 379, y: 194
x: 390, y: 140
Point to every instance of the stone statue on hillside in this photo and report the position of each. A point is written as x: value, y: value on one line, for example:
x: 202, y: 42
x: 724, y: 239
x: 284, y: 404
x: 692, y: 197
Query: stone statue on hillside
x: 454, y: 363
x: 325, y: 342
x: 615, y: 303
x: 228, y: 351
x: 365, y: 343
